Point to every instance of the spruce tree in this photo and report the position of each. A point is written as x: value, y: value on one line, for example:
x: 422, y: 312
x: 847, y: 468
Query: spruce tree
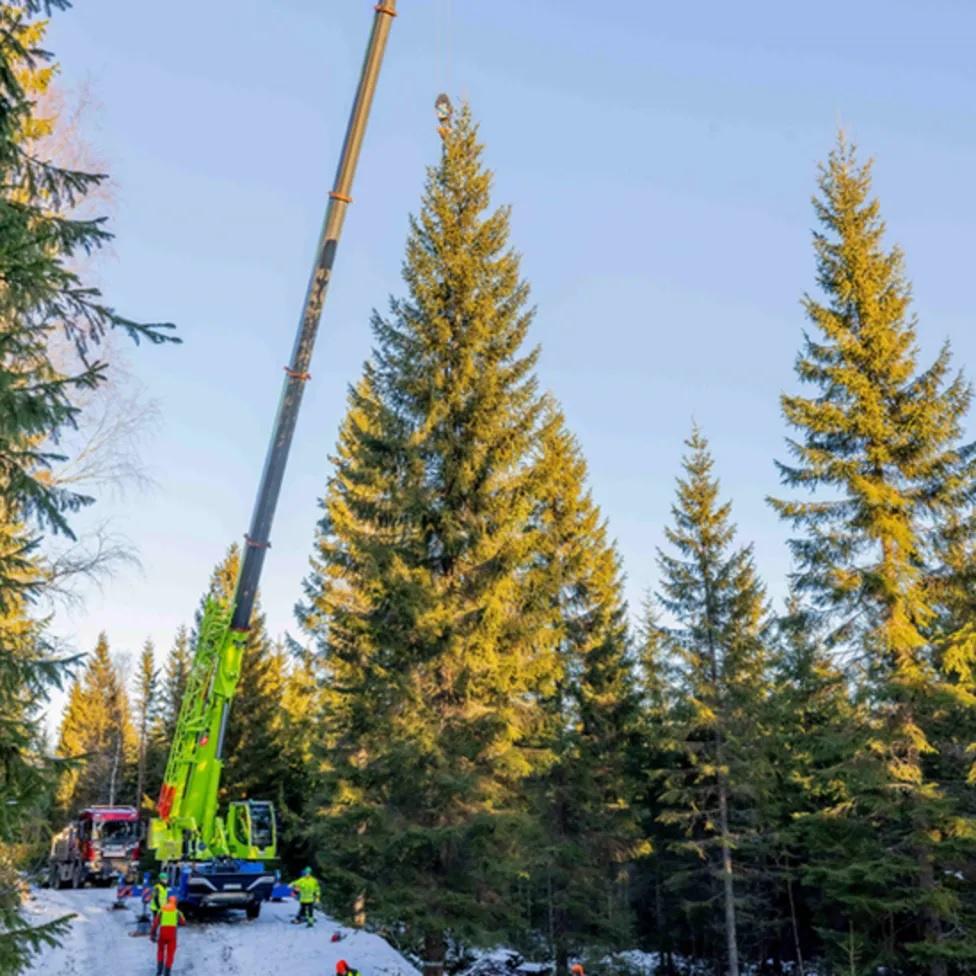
x: 656, y: 755
x: 97, y: 733
x: 175, y: 676
x: 146, y: 709
x: 879, y: 440
x: 589, y: 829
x: 712, y: 592
x: 170, y: 697
x: 296, y: 731
x: 815, y: 729
x: 41, y: 295
x: 434, y: 648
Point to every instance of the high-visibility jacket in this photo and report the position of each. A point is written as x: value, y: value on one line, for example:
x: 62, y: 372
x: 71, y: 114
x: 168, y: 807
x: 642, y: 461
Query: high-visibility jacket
x: 160, y: 896
x: 308, y: 889
x: 171, y: 917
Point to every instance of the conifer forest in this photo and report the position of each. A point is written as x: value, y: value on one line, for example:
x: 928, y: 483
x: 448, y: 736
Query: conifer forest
x: 467, y: 729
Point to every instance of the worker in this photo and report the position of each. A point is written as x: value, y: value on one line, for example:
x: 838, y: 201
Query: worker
x: 308, y: 890
x: 160, y: 895
x: 170, y: 918
x: 344, y: 969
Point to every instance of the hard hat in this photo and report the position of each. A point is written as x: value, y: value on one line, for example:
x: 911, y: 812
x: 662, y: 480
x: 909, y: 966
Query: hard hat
x: 306, y: 872
x: 342, y: 967
x: 576, y: 969
x: 172, y: 902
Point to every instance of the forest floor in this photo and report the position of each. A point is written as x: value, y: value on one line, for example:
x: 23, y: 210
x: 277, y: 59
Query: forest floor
x: 99, y: 943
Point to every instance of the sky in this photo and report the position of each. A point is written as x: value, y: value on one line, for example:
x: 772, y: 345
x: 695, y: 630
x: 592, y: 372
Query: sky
x: 659, y: 160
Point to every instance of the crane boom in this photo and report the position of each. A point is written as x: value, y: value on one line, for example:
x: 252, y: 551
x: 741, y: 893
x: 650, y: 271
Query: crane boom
x: 188, y: 826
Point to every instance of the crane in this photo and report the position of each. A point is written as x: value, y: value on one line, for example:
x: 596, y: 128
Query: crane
x: 215, y: 860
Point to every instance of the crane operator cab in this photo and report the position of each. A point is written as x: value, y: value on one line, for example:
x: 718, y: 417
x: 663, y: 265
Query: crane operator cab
x: 251, y: 829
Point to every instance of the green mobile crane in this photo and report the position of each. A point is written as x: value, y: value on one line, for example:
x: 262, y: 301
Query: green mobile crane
x: 218, y: 861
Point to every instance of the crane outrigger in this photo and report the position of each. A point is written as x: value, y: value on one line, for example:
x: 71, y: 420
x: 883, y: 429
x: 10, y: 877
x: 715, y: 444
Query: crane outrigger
x: 217, y: 861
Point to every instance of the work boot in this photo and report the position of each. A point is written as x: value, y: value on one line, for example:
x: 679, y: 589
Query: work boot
x: 159, y: 969
x: 167, y: 971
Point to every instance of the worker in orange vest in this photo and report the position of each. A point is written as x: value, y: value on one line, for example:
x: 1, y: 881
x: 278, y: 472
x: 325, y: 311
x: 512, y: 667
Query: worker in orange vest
x: 170, y: 918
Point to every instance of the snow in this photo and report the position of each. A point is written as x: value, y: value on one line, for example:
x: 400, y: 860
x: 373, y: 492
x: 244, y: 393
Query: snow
x: 99, y: 943
x: 635, y: 961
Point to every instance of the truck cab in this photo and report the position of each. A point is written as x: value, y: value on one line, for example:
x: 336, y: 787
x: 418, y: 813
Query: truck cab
x: 101, y: 844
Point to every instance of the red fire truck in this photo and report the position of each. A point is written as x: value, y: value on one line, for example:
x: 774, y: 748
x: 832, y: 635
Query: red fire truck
x: 101, y: 844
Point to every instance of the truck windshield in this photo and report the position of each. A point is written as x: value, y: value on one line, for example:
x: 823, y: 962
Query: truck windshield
x: 118, y: 831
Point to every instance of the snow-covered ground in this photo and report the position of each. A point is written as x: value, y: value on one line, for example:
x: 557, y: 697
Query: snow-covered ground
x: 99, y: 943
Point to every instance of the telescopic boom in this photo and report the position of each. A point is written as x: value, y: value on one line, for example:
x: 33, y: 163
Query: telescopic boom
x: 188, y: 826
x: 296, y: 373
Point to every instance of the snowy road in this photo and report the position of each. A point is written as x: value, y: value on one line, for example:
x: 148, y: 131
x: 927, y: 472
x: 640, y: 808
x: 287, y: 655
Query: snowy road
x: 99, y: 943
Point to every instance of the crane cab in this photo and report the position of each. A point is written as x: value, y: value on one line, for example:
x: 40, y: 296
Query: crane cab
x: 252, y: 830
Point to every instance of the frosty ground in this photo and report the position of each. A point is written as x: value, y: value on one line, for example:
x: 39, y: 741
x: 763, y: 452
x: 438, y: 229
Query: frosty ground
x: 99, y: 943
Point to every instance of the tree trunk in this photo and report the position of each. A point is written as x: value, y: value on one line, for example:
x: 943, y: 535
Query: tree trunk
x: 115, y: 770
x: 141, y: 772
x: 930, y: 916
x: 729, y: 892
x: 434, y: 954
x: 796, y: 930
x: 561, y: 957
x: 359, y: 910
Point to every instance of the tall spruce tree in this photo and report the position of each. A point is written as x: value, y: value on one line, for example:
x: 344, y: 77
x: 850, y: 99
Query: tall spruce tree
x: 41, y: 295
x: 712, y: 592
x: 589, y: 828
x: 879, y: 440
x: 435, y: 647
x: 97, y: 733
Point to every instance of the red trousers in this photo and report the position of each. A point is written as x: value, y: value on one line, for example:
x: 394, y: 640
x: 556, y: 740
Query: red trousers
x: 166, y: 948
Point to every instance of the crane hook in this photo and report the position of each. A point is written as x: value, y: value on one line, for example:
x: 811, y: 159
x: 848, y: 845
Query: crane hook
x: 444, y: 111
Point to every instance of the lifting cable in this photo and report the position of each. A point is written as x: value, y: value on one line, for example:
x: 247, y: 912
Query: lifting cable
x: 444, y: 65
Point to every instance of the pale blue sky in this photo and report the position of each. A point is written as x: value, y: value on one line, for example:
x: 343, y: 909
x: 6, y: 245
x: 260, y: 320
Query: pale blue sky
x: 659, y: 159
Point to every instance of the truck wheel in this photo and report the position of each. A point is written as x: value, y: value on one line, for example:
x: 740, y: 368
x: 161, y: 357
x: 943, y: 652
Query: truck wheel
x: 252, y: 909
x: 77, y: 878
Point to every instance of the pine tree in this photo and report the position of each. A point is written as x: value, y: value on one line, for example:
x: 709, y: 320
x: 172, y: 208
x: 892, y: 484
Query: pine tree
x: 97, y: 732
x: 880, y: 438
x: 589, y: 829
x: 435, y: 651
x: 147, y: 706
x: 717, y: 602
